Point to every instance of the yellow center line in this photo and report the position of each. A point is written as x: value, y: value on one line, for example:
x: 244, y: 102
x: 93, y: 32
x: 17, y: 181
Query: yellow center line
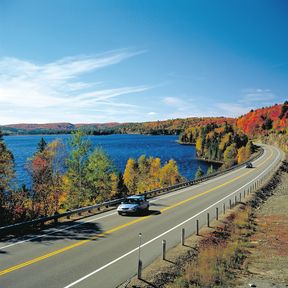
x: 117, y: 228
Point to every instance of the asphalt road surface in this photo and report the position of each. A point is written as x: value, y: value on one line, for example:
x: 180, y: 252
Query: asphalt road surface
x: 103, y: 250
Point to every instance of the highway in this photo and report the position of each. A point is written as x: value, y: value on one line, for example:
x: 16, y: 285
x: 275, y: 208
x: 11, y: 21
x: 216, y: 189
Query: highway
x: 102, y: 250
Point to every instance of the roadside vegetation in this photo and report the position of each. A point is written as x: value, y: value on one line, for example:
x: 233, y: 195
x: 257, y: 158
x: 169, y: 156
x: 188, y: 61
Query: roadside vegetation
x: 62, y: 181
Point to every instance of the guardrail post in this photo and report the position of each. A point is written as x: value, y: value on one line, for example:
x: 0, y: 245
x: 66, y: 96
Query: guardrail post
x: 183, y: 236
x: 208, y: 220
x: 235, y: 200
x: 244, y: 194
x: 240, y: 197
x: 139, y: 272
x: 230, y: 203
x: 224, y: 208
x: 163, y: 249
x: 217, y: 213
x: 197, y: 227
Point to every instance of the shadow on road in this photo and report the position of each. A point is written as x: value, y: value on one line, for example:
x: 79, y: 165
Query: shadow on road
x: 157, y: 205
x: 148, y: 213
x: 71, y: 231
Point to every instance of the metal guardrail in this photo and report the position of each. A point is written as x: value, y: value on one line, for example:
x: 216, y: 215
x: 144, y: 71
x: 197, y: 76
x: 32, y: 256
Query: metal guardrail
x: 115, y: 202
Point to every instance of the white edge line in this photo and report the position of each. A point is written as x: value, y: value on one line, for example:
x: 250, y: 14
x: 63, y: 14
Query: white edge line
x: 168, y: 231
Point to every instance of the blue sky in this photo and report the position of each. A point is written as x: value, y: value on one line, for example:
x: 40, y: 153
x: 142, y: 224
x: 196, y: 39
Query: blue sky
x: 126, y: 61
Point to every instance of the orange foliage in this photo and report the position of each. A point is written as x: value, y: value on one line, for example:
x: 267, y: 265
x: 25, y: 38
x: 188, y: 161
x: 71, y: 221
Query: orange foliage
x: 253, y: 123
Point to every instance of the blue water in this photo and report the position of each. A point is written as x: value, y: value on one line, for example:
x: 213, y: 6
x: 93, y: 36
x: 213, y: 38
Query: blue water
x: 119, y: 147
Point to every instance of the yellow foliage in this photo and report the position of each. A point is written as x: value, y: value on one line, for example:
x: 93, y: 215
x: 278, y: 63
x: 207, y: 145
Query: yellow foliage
x: 130, y: 175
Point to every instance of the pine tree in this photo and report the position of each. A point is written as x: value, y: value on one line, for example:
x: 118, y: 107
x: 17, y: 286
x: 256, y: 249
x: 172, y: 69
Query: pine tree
x: 199, y: 173
x: 210, y: 170
x: 41, y: 145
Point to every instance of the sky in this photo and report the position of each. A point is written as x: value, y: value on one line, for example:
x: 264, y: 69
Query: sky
x: 103, y: 61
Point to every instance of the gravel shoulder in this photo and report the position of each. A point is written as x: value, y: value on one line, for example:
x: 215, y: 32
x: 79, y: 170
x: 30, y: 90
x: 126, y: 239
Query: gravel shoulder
x: 267, y: 263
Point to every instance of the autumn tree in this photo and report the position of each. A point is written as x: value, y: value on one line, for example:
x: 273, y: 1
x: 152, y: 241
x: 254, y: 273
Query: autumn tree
x: 169, y: 174
x: 230, y: 155
x: 143, y: 174
x: 20, y: 205
x: 154, y: 173
x: 130, y: 175
x: 46, y: 179
x: 7, y: 175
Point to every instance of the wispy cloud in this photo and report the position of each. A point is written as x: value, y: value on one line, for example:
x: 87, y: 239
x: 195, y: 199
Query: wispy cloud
x: 56, y: 88
x: 257, y: 95
x: 249, y: 98
x: 232, y: 109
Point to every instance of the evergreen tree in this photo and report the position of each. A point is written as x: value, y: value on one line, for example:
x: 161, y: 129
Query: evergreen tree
x: 41, y: 145
x: 210, y: 170
x: 199, y: 173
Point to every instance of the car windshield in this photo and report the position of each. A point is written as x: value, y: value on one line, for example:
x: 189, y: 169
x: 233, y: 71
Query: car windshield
x: 132, y: 201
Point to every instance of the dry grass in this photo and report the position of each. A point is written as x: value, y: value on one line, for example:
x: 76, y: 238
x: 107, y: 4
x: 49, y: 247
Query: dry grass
x: 218, y: 255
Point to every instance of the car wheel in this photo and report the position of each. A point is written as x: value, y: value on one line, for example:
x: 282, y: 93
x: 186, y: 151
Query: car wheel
x: 120, y: 213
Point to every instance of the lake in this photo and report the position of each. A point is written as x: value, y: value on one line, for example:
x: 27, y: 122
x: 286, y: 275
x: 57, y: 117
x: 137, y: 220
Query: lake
x: 119, y: 147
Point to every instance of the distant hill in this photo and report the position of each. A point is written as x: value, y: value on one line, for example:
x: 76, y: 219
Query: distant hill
x: 53, y: 128
x: 166, y: 127
x: 255, y: 123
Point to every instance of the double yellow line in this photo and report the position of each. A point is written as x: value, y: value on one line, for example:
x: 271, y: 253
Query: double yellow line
x: 117, y: 228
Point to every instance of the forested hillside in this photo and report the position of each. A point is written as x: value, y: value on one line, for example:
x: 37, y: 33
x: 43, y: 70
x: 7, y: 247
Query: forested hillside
x: 219, y: 142
x: 265, y: 120
x: 267, y: 125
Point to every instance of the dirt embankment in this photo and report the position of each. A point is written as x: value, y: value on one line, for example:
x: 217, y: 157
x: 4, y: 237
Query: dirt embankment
x: 246, y: 248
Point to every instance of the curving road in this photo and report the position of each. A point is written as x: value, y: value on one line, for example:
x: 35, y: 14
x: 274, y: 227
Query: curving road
x: 102, y: 250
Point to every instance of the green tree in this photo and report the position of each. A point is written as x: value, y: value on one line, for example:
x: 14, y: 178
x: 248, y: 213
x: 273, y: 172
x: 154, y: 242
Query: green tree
x: 100, y: 176
x: 210, y: 170
x: 199, y: 173
x: 77, y: 193
x: 41, y: 145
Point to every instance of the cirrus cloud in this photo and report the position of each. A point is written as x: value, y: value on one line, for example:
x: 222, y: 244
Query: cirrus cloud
x: 54, y: 92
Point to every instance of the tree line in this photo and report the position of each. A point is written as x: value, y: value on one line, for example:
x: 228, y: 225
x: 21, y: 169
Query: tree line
x: 62, y: 180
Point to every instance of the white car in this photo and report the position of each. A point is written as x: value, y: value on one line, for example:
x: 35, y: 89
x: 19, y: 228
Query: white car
x: 135, y: 204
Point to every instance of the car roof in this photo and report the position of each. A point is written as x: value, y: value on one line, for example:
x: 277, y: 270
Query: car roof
x: 136, y: 197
